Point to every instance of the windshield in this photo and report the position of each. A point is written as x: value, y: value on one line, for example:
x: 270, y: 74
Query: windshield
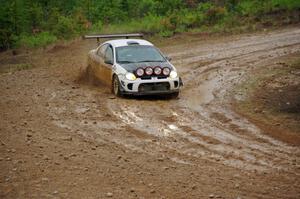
x: 136, y: 54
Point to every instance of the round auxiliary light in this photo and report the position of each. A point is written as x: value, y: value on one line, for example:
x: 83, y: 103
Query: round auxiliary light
x: 140, y: 72
x: 166, y: 71
x: 149, y: 71
x: 157, y: 70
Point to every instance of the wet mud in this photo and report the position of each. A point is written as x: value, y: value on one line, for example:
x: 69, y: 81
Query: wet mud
x: 147, y: 142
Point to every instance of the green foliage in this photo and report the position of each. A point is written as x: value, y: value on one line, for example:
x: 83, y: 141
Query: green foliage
x: 38, y: 40
x: 257, y: 7
x: 150, y: 24
x: 64, y: 28
x: 249, y: 7
x: 97, y: 27
x: 285, y: 4
x: 22, y: 22
x: 166, y: 33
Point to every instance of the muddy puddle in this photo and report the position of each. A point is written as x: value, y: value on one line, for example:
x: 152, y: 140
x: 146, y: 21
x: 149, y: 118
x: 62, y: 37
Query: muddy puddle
x: 200, y: 123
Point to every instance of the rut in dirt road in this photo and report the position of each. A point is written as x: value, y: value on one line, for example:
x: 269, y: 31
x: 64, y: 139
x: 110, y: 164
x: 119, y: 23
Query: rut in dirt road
x: 200, y: 124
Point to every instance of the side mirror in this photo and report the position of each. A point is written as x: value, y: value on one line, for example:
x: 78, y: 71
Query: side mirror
x: 168, y: 58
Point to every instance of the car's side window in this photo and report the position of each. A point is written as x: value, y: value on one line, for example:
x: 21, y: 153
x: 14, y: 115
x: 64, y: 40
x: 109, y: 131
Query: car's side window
x: 109, y: 57
x: 102, y: 50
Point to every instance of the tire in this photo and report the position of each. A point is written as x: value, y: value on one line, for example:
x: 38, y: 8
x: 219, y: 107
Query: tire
x: 174, y: 95
x: 115, y: 87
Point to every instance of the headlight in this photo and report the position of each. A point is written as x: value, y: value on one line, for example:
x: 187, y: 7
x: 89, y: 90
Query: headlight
x: 173, y: 74
x: 130, y: 76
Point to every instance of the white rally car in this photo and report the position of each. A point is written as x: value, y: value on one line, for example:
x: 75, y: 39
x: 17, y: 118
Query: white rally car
x: 132, y: 66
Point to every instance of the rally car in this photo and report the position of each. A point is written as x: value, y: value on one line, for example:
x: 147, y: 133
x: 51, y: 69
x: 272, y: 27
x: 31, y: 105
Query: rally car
x: 132, y: 67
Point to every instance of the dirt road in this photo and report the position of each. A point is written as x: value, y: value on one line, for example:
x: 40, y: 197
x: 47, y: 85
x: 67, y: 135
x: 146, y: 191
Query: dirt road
x: 63, y: 138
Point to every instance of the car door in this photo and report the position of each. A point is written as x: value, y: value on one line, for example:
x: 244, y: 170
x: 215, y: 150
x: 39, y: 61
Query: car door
x: 106, y: 65
x: 97, y: 60
x: 102, y: 63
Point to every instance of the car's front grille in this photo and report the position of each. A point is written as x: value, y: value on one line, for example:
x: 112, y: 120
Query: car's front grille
x: 160, y: 86
x: 146, y: 77
x: 162, y: 77
x: 150, y: 77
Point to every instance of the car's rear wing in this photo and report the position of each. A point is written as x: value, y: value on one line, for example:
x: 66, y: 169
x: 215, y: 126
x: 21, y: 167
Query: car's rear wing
x: 97, y: 36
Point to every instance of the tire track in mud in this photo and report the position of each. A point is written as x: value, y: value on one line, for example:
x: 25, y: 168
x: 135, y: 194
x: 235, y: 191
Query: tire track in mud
x: 201, y: 124
x: 187, y: 147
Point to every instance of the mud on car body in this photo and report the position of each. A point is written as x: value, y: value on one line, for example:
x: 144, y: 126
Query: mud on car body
x: 133, y: 67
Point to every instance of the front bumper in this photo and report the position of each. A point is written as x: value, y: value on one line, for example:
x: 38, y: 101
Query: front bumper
x: 153, y: 86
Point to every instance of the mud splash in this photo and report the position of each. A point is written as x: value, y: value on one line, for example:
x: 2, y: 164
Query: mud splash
x: 226, y: 138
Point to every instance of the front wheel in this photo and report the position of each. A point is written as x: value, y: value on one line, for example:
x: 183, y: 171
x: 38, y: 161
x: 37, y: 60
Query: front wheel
x: 174, y: 95
x: 116, y: 86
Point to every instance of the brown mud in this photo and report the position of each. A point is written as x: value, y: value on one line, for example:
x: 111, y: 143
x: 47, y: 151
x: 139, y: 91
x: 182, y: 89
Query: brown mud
x: 62, y: 137
x: 273, y: 98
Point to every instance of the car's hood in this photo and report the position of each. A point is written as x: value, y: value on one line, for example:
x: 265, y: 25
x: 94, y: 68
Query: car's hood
x: 133, y: 66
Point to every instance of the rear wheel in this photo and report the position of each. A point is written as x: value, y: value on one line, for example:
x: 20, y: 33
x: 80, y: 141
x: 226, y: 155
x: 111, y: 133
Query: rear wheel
x: 116, y: 86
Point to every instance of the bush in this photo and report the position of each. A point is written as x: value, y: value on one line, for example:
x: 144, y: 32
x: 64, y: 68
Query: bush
x: 189, y: 19
x: 97, y: 27
x: 231, y: 21
x: 285, y: 4
x: 65, y: 20
x: 65, y: 28
x: 250, y: 7
x: 6, y: 39
x: 80, y: 22
x: 150, y: 24
x: 166, y: 33
x: 38, y: 40
x: 215, y: 14
x: 257, y: 8
x: 204, y: 7
x: 209, y: 13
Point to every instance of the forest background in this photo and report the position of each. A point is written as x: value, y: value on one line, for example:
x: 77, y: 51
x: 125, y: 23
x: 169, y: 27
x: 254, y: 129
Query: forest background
x: 37, y: 23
